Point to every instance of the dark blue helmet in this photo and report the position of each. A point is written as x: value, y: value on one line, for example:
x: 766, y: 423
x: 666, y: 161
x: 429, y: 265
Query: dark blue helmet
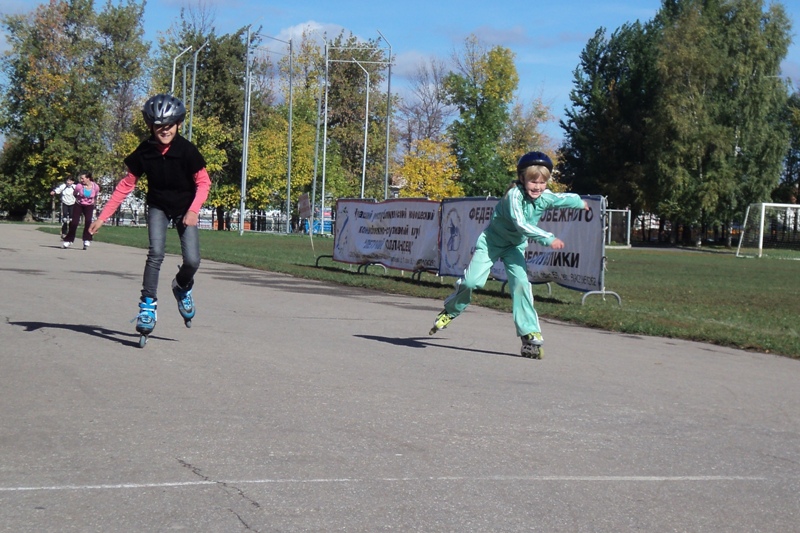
x: 534, y: 158
x: 163, y: 109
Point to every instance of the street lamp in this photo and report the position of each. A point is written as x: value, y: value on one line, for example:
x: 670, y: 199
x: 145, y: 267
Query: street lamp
x: 194, y: 79
x: 366, y: 126
x: 388, y: 119
x: 174, y: 63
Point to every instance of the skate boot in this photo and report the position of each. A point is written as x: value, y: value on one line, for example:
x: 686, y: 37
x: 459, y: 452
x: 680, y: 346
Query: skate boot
x: 185, y: 302
x: 532, y: 346
x: 146, y: 320
x: 441, y: 322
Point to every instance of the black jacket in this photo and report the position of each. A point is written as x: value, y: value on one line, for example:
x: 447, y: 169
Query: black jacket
x: 170, y: 178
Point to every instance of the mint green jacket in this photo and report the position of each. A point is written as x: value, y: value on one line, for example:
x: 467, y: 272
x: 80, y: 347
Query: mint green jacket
x: 516, y: 215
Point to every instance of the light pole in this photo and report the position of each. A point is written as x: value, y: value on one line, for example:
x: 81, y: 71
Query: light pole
x: 324, y: 140
x: 388, y: 119
x: 328, y: 61
x: 245, y: 133
x: 174, y: 63
x: 194, y: 79
x: 366, y: 126
x: 290, y: 120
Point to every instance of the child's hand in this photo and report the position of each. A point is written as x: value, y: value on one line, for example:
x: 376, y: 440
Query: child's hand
x: 557, y: 244
x: 95, y: 227
x: 585, y: 205
x: 190, y: 218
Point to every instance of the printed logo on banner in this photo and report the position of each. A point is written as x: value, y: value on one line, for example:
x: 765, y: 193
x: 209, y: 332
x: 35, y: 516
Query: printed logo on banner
x: 451, y: 238
x: 341, y: 237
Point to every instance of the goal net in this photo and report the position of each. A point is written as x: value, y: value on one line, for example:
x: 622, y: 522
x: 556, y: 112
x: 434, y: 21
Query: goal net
x: 770, y: 230
x: 618, y: 228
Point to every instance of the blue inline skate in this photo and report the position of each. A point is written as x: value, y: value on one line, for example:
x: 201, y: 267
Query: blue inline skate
x: 146, y: 320
x: 185, y: 302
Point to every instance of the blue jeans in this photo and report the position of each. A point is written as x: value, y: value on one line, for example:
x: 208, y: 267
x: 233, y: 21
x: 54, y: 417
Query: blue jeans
x: 157, y: 224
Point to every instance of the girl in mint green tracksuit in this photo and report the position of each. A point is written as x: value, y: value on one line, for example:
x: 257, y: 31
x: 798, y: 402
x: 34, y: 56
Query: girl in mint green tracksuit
x: 506, y: 238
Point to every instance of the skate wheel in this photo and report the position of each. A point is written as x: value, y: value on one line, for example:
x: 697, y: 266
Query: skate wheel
x: 188, y: 323
x: 142, y: 340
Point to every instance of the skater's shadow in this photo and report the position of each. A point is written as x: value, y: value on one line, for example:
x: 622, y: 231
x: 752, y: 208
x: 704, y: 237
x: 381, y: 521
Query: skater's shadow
x: 419, y: 342
x: 130, y: 339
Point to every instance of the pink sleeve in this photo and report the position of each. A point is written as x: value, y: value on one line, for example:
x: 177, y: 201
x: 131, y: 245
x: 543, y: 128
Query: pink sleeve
x: 203, y: 182
x: 121, y: 191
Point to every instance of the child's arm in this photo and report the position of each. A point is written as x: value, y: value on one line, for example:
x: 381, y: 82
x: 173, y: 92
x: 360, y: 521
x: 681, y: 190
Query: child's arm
x: 566, y: 200
x: 121, y: 191
x: 203, y: 183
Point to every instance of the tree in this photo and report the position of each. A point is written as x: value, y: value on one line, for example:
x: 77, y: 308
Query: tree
x: 54, y: 112
x: 682, y: 116
x: 789, y: 189
x: 481, y: 90
x: 347, y: 93
x: 267, y: 163
x: 429, y: 170
x: 425, y: 113
x: 606, y: 147
x: 120, y: 62
x: 522, y: 132
x: 719, y: 108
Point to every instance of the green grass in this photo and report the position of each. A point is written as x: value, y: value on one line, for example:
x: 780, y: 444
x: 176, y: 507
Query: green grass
x: 752, y: 304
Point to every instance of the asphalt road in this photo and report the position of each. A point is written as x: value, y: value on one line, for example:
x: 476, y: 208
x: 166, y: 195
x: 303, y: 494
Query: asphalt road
x: 293, y: 405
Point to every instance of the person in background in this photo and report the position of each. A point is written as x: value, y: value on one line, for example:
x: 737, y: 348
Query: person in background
x: 67, y: 192
x: 86, y: 192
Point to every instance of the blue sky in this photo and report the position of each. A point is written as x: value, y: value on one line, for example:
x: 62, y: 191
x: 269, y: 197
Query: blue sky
x: 546, y: 37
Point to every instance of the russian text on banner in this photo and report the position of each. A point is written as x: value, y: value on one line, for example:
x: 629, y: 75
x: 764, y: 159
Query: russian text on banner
x: 400, y: 234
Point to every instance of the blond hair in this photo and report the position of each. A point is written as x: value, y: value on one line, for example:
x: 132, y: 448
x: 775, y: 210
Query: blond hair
x: 533, y: 172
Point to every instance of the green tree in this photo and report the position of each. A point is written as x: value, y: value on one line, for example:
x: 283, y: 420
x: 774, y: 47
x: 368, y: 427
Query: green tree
x: 54, y: 112
x: 720, y: 106
x: 120, y: 62
x: 607, y: 145
x: 481, y: 90
x: 789, y: 189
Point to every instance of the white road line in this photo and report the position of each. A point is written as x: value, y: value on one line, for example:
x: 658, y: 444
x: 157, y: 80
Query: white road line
x: 382, y: 480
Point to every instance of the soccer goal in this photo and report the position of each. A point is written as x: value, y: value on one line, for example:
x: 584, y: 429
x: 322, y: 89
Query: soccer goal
x: 770, y: 230
x: 618, y: 228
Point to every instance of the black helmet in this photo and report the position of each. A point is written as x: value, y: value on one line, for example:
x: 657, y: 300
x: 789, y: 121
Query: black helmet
x: 163, y: 110
x: 534, y: 158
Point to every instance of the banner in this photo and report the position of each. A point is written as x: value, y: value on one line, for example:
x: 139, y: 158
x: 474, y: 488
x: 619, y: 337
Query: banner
x: 577, y: 266
x: 463, y: 221
x: 400, y: 234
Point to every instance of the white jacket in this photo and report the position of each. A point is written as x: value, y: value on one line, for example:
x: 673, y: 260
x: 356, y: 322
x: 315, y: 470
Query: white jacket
x: 67, y: 193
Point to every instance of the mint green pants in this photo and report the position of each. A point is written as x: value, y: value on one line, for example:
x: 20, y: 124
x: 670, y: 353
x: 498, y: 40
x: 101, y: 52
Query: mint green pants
x: 486, y: 253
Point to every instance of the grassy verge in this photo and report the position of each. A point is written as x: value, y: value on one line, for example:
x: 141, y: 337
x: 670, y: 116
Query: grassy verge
x: 752, y: 304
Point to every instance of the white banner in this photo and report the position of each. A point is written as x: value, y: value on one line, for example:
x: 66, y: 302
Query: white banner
x: 577, y: 266
x: 400, y: 234
x: 463, y: 221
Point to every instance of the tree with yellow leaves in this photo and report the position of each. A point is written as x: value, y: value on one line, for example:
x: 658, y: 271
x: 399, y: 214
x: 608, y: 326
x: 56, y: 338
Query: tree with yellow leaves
x: 429, y: 170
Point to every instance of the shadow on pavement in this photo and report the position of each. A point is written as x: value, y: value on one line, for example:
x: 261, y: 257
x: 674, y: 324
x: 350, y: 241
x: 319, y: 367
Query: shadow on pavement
x: 417, y: 342
x: 131, y: 339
